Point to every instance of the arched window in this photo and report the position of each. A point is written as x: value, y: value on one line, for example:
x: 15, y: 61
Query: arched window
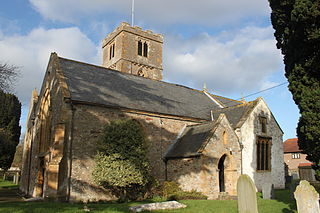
x: 45, y: 129
x: 145, y: 49
x: 111, y: 53
x: 140, y: 48
x: 225, y: 137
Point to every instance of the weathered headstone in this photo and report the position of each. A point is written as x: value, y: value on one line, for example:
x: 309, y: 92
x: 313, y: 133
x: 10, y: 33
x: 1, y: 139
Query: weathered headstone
x: 307, y: 198
x: 247, y: 198
x: 267, y: 191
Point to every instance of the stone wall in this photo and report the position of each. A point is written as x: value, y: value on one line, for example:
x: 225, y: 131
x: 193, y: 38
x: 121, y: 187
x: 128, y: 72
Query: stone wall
x: 202, y: 173
x: 89, y: 122
x: 248, y: 134
x: 126, y: 59
x: 46, y: 140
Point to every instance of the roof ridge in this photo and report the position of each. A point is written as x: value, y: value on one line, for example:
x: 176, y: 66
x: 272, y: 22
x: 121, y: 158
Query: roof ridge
x: 128, y: 74
x: 236, y: 106
x: 230, y: 99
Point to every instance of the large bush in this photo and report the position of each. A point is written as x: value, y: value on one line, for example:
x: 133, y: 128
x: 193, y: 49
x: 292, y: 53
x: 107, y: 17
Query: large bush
x: 121, y: 162
x: 172, y: 191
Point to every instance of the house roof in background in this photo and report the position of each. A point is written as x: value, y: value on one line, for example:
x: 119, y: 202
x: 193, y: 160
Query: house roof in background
x: 291, y: 145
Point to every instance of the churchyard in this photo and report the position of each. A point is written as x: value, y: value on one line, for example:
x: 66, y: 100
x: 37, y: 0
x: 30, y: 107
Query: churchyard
x: 281, y: 202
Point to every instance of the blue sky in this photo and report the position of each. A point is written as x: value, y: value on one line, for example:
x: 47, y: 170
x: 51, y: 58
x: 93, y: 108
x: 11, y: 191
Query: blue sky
x: 228, y: 45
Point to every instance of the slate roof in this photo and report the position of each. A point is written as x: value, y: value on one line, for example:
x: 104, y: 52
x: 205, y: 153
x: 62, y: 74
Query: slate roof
x: 191, y: 141
x: 237, y: 114
x: 291, y: 145
x: 225, y: 102
x: 94, y: 84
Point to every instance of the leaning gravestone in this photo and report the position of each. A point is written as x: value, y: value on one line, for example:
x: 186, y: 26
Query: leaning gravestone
x: 247, y: 198
x: 307, y: 198
x: 267, y: 191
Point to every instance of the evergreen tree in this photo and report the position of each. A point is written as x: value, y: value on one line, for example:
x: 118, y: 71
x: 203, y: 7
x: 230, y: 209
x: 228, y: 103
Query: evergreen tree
x: 297, y: 31
x: 121, y: 163
x: 10, y: 111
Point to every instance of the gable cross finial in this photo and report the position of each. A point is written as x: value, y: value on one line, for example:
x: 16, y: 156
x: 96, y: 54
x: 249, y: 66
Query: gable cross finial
x: 205, y: 87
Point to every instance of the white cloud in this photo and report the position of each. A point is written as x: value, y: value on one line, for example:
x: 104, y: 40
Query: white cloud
x: 226, y: 63
x: 206, y: 12
x: 31, y: 53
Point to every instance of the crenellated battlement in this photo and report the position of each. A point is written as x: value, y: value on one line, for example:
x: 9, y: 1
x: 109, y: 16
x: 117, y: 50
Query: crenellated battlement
x: 124, y: 26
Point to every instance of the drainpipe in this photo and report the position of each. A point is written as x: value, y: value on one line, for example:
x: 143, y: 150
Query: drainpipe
x: 70, y: 147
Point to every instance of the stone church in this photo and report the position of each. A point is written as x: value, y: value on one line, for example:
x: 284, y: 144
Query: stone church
x: 198, y: 139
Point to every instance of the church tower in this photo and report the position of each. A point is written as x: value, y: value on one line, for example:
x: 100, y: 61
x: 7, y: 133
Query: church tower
x: 132, y: 50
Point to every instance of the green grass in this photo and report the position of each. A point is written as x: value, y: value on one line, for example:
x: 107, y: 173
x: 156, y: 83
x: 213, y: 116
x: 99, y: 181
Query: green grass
x: 281, y: 204
x: 7, y: 184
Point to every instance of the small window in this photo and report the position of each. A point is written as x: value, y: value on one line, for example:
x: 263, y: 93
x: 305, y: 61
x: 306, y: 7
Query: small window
x: 263, y: 122
x: 225, y: 138
x: 295, y: 155
x: 263, y: 154
x: 145, y: 49
x: 141, y: 73
x: 139, y: 48
x: 113, y: 47
x: 111, y: 52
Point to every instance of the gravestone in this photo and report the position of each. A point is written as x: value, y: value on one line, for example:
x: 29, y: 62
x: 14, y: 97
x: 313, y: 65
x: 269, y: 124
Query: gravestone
x: 307, y: 198
x: 268, y: 191
x: 247, y: 198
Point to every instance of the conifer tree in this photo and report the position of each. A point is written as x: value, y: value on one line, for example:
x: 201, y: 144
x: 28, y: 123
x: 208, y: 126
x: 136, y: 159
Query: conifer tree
x: 10, y: 111
x: 297, y: 31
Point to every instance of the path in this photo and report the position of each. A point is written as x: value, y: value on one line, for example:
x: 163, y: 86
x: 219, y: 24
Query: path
x: 10, y: 195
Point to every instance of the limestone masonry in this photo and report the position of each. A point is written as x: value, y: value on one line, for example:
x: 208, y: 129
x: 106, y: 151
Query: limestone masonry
x: 202, y: 141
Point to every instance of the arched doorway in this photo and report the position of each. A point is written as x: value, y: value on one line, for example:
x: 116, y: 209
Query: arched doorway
x: 221, y: 173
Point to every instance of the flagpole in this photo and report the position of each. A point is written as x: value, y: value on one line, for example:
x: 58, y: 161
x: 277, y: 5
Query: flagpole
x: 132, y: 14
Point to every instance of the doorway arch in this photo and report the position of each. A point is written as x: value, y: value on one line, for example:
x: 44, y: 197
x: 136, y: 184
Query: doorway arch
x: 221, y: 168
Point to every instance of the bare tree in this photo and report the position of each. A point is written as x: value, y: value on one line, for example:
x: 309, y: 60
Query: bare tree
x: 8, y: 76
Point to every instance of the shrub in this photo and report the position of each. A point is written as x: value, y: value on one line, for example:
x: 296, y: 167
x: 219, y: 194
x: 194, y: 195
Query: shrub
x: 121, y: 161
x: 172, y: 191
x: 185, y: 195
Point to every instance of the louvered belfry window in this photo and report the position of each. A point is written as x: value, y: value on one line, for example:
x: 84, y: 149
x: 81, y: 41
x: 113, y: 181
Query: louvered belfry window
x: 143, y: 48
x: 140, y: 48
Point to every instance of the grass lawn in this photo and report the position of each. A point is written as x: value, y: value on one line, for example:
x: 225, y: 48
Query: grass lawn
x: 6, y: 184
x: 282, y: 204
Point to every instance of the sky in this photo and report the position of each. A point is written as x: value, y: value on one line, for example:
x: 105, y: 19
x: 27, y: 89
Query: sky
x: 227, y: 45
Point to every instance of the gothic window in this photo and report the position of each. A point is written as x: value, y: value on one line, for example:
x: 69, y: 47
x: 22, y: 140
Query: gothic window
x: 140, y: 48
x: 45, y: 119
x: 263, y: 122
x: 111, y: 53
x: 145, y: 49
x: 295, y: 155
x: 264, y: 154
